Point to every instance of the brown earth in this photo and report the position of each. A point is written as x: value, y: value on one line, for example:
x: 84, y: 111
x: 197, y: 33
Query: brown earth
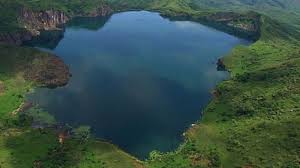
x: 47, y: 71
x: 2, y: 88
x: 41, y: 68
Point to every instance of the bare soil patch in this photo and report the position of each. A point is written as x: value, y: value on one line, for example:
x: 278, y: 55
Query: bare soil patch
x: 2, y: 88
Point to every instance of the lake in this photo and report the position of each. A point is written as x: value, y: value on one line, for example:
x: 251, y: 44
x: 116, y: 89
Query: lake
x: 138, y: 79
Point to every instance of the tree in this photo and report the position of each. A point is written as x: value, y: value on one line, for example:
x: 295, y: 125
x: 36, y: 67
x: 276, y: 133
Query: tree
x: 82, y: 133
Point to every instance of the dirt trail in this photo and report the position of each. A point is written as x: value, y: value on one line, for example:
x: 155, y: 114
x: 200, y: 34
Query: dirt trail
x: 2, y: 88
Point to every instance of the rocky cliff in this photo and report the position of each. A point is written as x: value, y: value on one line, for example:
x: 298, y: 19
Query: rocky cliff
x: 247, y: 22
x: 247, y: 25
x: 42, y: 20
x: 32, y: 22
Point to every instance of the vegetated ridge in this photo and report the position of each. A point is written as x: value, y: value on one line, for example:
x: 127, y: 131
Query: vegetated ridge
x: 253, y: 120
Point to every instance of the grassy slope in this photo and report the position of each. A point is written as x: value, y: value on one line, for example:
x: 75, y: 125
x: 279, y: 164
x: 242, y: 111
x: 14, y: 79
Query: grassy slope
x: 16, y: 144
x: 254, y: 120
x: 287, y: 11
x: 20, y: 146
x: 24, y: 147
x: 12, y: 59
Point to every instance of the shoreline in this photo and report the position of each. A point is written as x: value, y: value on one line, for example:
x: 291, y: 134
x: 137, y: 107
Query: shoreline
x: 187, y: 128
x: 184, y: 18
x: 209, y: 130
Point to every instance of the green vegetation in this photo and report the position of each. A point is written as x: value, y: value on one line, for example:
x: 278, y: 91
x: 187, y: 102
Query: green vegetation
x: 38, y: 116
x: 253, y: 121
x: 287, y: 11
x: 21, y: 148
x: 15, y: 144
x: 92, y: 153
x: 14, y: 86
x: 19, y: 73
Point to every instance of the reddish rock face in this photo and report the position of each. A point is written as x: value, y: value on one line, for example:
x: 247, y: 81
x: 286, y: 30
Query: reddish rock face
x: 42, y: 20
x: 35, y: 21
x: 47, y: 71
x: 32, y: 23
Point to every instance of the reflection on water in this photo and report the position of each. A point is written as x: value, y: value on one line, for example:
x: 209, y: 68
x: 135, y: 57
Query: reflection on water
x: 140, y: 80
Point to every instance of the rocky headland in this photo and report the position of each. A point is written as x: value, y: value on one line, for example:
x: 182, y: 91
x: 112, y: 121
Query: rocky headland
x: 49, y: 71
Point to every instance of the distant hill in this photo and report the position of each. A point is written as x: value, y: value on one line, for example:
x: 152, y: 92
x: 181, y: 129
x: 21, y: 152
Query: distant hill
x: 283, y: 10
x: 286, y: 11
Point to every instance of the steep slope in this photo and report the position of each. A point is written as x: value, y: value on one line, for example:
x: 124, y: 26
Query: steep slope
x: 254, y: 119
x: 287, y: 11
x: 22, y: 20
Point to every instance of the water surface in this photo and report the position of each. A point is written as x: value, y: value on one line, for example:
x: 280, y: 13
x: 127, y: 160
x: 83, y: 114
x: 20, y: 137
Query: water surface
x: 139, y: 80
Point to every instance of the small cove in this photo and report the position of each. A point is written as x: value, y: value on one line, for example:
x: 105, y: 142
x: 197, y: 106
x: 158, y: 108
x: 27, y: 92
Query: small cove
x: 139, y: 80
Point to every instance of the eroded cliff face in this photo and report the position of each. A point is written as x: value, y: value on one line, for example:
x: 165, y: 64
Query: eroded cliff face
x: 48, y: 71
x: 247, y: 24
x: 32, y: 22
x: 42, y: 20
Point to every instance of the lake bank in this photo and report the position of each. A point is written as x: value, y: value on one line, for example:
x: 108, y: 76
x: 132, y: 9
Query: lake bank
x: 206, y: 146
x: 153, y: 78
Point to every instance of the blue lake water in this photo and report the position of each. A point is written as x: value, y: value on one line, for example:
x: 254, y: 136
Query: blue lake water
x: 139, y: 80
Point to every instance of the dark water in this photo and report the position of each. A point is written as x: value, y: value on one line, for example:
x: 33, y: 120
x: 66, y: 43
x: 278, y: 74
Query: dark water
x: 138, y: 79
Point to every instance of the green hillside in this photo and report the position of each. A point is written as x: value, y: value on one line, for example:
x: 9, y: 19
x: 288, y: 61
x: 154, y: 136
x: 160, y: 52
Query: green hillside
x: 253, y: 120
x: 287, y: 11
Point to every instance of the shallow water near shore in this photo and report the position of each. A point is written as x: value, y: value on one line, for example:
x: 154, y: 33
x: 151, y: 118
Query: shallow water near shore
x: 139, y: 80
